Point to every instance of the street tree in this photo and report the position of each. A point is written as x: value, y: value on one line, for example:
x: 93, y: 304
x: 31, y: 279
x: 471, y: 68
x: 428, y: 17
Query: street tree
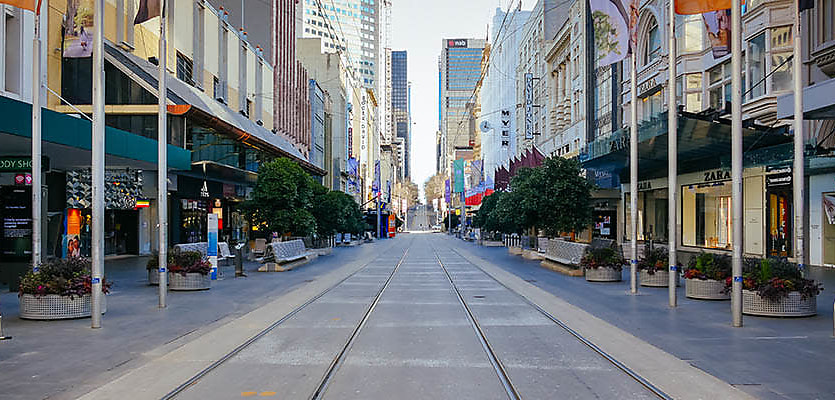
x: 282, y: 199
x: 553, y: 197
x: 337, y: 212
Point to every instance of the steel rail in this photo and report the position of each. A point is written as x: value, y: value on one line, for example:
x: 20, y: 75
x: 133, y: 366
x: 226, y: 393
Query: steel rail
x: 340, y: 358
x: 628, y: 371
x: 194, y: 379
x: 501, y: 372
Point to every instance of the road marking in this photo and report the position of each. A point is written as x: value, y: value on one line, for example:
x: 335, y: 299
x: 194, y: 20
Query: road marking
x: 267, y: 394
x: 248, y: 394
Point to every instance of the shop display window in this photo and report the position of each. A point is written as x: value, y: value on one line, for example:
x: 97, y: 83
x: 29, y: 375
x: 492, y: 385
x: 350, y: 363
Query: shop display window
x: 706, y: 215
x: 652, y: 216
x: 779, y: 235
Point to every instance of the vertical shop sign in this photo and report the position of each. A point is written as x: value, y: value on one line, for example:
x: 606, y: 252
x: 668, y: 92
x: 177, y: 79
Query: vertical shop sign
x: 528, y: 106
x: 211, y: 251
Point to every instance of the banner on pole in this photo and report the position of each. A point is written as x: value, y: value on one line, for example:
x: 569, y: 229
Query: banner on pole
x: 147, y: 9
x: 829, y: 206
x: 718, y: 27
x: 30, y: 5
x: 447, y: 191
x: 78, y: 29
x: 458, y: 166
x: 614, y: 24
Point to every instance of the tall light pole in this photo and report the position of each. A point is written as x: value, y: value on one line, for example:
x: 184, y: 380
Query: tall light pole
x: 162, y: 157
x: 633, y: 175
x: 672, y: 158
x: 37, y: 177
x: 98, y: 161
x: 736, y: 160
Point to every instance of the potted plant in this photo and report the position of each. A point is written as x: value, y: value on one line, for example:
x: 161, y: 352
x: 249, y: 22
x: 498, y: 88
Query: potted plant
x: 60, y: 289
x: 654, y: 268
x: 602, y: 265
x: 153, y: 268
x: 774, y: 287
x: 188, y: 270
x: 706, y: 275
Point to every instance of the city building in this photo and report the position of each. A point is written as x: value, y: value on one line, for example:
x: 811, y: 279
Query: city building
x: 401, y: 115
x: 703, y: 92
x: 460, y: 66
x: 545, y: 20
x: 498, y: 93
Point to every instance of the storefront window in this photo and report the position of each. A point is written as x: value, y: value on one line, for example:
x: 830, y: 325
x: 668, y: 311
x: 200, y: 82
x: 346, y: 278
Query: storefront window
x: 706, y: 215
x: 756, y: 65
x: 693, y: 89
x: 652, y: 216
x: 651, y: 105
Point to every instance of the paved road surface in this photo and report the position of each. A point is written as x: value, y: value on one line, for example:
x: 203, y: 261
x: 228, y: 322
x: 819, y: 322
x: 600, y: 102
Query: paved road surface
x: 399, y: 329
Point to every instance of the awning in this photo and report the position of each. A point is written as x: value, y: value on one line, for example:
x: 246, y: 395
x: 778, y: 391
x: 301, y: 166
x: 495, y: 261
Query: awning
x: 818, y: 102
x: 193, y: 102
x: 72, y: 137
x: 703, y: 144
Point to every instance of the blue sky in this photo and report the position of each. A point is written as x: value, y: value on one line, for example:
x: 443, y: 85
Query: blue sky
x: 419, y: 26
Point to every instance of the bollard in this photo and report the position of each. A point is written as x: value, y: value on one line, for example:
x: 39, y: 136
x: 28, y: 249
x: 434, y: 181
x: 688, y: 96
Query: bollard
x: 239, y: 260
x: 2, y: 336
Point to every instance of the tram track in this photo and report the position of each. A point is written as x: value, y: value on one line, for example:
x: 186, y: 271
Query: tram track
x: 337, y: 360
x: 502, y: 372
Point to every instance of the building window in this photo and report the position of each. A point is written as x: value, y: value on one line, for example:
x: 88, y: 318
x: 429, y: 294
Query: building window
x: 826, y: 21
x: 756, y: 65
x: 652, y: 46
x: 248, y: 108
x: 706, y: 215
x: 693, y: 92
x: 184, y: 69
x: 781, y: 64
x: 719, y: 85
x: 651, y: 105
x: 690, y: 34
x: 217, y: 91
x: 652, y: 215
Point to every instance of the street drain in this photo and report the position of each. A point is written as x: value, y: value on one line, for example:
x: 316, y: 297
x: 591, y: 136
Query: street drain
x: 478, y: 297
x: 530, y: 280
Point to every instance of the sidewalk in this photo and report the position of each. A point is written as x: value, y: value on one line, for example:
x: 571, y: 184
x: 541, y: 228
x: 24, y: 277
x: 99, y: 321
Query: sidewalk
x: 64, y: 359
x: 770, y: 358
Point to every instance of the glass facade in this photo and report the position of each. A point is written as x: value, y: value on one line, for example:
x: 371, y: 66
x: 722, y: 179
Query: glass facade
x: 706, y: 215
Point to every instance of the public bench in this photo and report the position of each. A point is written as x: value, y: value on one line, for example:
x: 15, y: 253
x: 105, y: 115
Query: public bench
x: 223, y: 254
x: 284, y: 255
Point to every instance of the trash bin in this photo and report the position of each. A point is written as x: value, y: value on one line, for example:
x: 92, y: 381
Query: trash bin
x: 239, y: 260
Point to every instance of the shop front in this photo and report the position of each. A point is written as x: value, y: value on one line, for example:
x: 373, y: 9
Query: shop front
x: 197, y: 198
x: 822, y: 219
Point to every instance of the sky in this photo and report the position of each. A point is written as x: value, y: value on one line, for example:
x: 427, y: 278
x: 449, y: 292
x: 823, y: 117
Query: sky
x: 419, y: 26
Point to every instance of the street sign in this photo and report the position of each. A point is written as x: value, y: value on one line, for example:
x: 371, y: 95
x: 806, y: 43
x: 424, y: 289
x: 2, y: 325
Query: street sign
x: 528, y: 106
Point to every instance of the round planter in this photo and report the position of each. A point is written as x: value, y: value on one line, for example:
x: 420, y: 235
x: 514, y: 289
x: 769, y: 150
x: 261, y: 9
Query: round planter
x: 191, y: 281
x: 707, y: 289
x: 153, y: 277
x: 602, y: 274
x: 658, y: 279
x: 794, y: 305
x: 53, y: 306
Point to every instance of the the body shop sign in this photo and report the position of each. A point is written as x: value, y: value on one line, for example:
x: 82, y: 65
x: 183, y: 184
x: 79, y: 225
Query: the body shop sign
x: 20, y: 164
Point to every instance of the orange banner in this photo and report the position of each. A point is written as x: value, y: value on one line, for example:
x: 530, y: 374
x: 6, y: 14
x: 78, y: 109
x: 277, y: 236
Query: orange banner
x: 701, y: 6
x: 30, y: 5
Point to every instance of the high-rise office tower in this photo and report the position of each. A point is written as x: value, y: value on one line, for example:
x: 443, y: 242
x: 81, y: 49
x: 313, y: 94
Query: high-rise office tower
x: 400, y: 104
x: 460, y: 69
x: 351, y: 26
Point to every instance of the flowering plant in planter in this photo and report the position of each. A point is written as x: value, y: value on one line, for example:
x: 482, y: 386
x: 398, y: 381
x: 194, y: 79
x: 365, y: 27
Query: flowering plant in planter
x: 64, y: 277
x: 604, y: 257
x: 654, y: 260
x: 153, y: 261
x: 708, y: 266
x: 774, y: 278
x: 188, y: 262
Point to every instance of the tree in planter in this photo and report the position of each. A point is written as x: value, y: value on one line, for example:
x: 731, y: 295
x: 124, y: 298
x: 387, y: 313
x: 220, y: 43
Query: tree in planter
x: 455, y: 221
x: 774, y: 278
x: 282, y: 199
x: 505, y: 217
x: 553, y: 197
x: 337, y: 212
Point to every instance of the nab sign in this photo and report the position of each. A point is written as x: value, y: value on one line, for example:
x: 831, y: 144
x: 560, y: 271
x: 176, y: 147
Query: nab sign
x: 453, y: 43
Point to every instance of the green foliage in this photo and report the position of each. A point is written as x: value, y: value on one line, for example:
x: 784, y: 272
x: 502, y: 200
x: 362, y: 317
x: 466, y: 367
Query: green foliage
x: 188, y: 262
x: 505, y: 218
x: 604, y: 257
x: 337, y: 212
x: 654, y: 259
x: 455, y: 221
x: 488, y: 205
x: 65, y: 277
x: 553, y: 197
x: 708, y: 266
x: 774, y: 278
x: 283, y: 198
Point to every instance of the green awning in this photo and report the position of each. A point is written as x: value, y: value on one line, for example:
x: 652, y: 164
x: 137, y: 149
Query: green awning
x: 58, y: 128
x: 702, y: 145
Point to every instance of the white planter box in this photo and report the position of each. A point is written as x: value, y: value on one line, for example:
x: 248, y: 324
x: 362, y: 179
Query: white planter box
x: 602, y: 275
x: 658, y: 279
x: 191, y: 281
x: 707, y: 289
x: 792, y: 306
x: 153, y: 277
x: 53, y: 306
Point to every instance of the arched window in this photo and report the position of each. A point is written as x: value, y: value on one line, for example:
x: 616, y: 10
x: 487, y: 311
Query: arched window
x: 652, y: 44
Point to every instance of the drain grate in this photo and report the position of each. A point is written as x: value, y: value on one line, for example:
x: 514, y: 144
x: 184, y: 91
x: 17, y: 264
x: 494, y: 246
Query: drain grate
x: 530, y: 280
x: 478, y: 297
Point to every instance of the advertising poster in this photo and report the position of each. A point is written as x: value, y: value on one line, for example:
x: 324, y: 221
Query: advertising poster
x: 211, y: 250
x: 718, y: 27
x: 458, y: 166
x: 73, y: 233
x: 78, y: 29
